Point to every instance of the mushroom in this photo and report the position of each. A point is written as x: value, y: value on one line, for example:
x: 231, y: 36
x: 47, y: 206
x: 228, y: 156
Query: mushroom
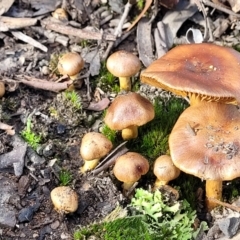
x: 205, y: 142
x: 93, y: 147
x: 2, y: 89
x: 123, y: 65
x: 70, y: 64
x: 64, y: 199
x: 202, y: 72
x: 164, y: 170
x: 128, y: 112
x: 60, y: 14
x: 129, y: 168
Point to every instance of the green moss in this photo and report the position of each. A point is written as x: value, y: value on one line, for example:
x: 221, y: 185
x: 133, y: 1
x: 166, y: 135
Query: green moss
x: 106, y: 81
x: 153, y: 137
x: 109, y: 133
x: 74, y: 99
x: 65, y: 177
x: 31, y: 137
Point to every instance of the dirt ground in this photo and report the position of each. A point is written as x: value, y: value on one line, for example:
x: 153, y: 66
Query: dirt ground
x: 29, y: 52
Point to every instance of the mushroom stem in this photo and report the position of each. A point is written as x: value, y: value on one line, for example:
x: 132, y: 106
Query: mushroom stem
x: 213, y: 190
x: 125, y: 83
x: 127, y: 185
x: 89, y: 165
x: 130, y: 132
x: 74, y: 77
x: 158, y: 183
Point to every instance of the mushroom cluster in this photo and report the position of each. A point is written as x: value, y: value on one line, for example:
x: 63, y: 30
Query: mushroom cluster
x: 204, y: 142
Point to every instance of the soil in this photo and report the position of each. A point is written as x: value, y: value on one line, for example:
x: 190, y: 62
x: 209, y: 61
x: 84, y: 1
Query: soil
x: 27, y: 210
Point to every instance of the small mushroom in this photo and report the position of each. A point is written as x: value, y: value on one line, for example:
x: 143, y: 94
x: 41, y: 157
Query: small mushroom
x: 70, y: 64
x: 128, y: 112
x: 93, y: 147
x: 205, y: 143
x: 164, y: 170
x: 129, y: 168
x: 123, y: 65
x: 2, y: 89
x: 60, y: 14
x: 64, y: 199
x: 202, y: 72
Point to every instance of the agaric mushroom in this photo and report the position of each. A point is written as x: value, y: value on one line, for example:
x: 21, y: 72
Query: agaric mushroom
x: 205, y: 143
x: 64, y: 199
x: 123, y: 65
x: 164, y: 170
x: 2, y: 89
x: 127, y: 112
x: 129, y: 168
x: 70, y: 64
x: 60, y: 14
x: 93, y: 147
x: 202, y: 72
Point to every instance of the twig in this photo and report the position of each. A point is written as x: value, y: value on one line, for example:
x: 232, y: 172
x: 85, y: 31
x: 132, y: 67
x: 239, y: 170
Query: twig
x: 147, y: 5
x: 84, y: 34
x: 10, y: 23
x: 220, y: 8
x: 110, y: 159
x: 44, y: 84
x: 235, y: 208
x: 127, y: 8
x: 29, y: 40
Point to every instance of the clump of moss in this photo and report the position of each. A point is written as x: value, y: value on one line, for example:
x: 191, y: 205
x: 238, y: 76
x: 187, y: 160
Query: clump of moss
x: 152, y: 140
x: 29, y: 136
x: 65, y: 177
x: 66, y: 108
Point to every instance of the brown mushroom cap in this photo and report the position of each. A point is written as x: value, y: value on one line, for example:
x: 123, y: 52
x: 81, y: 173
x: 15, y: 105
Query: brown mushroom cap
x: 165, y: 170
x: 130, y: 167
x: 123, y: 64
x: 70, y: 64
x: 205, y: 141
x: 207, y: 71
x: 94, y: 145
x: 64, y: 199
x: 127, y: 110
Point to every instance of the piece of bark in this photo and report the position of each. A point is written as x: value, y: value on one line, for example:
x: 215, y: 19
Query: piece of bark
x: 81, y: 33
x: 98, y: 106
x: 23, y: 37
x: 144, y: 42
x: 10, y: 23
